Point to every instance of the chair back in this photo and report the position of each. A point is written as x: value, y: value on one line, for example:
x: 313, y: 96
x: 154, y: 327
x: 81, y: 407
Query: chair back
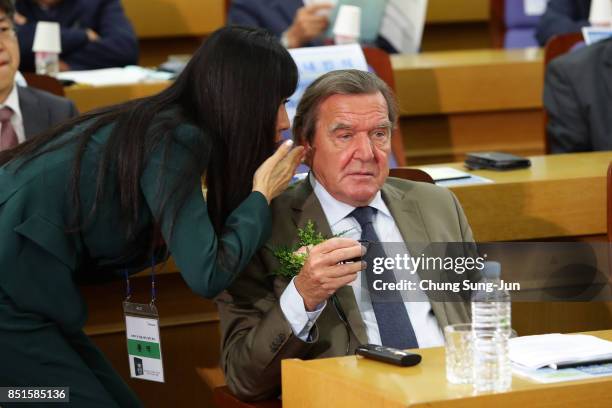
x: 609, y: 200
x: 559, y: 45
x: 411, y: 174
x: 380, y: 61
x: 44, y: 82
x: 555, y: 47
x: 510, y: 26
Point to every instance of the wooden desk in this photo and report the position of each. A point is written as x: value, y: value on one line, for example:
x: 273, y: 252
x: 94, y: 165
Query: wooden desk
x: 356, y: 382
x: 559, y: 196
x: 87, y: 98
x: 174, y: 18
x: 453, y: 102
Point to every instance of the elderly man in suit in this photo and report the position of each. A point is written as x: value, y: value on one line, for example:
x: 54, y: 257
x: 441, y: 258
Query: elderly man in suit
x: 577, y: 99
x: 24, y: 112
x: 345, y: 120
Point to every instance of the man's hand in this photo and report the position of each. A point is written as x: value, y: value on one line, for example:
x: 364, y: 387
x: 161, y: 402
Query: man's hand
x: 322, y: 274
x: 307, y: 25
x: 63, y: 66
x: 19, y: 19
x: 92, y: 36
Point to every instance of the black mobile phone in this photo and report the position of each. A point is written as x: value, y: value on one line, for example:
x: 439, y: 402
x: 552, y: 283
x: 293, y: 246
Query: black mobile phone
x: 495, y: 161
x: 388, y: 355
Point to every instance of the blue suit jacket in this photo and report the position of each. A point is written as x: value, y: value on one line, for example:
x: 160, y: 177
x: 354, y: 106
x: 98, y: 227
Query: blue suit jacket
x: 562, y: 17
x: 274, y: 15
x: 117, y: 46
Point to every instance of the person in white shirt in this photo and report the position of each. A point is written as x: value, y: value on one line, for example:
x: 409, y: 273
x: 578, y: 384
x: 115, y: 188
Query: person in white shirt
x: 24, y: 112
x: 344, y: 119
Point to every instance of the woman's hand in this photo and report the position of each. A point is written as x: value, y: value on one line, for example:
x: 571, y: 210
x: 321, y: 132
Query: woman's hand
x: 273, y: 176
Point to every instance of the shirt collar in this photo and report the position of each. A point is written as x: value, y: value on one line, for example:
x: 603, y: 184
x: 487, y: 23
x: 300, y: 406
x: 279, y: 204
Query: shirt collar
x: 335, y: 210
x: 12, y: 101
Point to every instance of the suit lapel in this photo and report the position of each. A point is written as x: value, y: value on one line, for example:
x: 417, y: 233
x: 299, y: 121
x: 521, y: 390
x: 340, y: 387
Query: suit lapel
x: 306, y: 207
x: 607, y: 72
x: 407, y: 215
x: 32, y: 115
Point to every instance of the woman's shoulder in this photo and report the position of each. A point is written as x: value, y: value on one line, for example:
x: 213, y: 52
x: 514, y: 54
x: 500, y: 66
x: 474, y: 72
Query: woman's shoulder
x: 184, y: 128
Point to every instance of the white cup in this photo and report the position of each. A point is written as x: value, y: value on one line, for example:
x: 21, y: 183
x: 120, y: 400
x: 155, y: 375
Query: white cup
x: 348, y: 24
x: 47, y: 37
x: 601, y: 12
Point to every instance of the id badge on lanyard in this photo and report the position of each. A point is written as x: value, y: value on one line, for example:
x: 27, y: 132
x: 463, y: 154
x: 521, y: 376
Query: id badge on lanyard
x: 142, y: 331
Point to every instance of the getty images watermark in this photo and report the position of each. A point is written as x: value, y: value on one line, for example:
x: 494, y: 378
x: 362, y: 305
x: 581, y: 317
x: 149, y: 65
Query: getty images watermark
x: 530, y: 271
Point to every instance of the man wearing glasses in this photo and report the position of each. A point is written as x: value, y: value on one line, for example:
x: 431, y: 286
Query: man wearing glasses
x: 24, y: 111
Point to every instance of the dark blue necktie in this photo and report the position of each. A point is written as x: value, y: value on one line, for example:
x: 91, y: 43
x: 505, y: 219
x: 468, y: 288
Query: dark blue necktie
x: 391, y: 315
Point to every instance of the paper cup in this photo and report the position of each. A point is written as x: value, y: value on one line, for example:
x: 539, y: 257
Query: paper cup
x: 47, y: 37
x: 348, y: 22
x: 601, y: 12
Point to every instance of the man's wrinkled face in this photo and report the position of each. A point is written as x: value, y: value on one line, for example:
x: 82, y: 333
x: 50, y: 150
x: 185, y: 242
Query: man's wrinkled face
x: 351, y: 146
x: 9, y: 54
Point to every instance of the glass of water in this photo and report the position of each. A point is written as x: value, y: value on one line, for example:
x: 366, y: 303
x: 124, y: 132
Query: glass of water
x: 458, y: 351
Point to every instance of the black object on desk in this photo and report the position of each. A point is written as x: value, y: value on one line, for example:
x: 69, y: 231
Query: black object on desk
x: 495, y: 161
x: 388, y: 355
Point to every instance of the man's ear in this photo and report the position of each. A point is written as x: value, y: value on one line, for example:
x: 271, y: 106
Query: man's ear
x: 309, y: 155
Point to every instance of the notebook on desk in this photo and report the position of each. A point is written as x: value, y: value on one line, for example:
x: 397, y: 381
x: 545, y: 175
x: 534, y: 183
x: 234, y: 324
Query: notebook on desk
x: 558, y: 351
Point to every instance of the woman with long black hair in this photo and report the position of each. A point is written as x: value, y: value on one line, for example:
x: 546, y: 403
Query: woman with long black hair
x: 83, y: 202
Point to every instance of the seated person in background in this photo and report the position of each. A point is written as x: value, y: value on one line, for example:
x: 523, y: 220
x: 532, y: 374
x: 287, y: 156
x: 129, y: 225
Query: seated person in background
x: 345, y: 120
x: 563, y: 17
x: 577, y: 99
x: 24, y: 112
x: 94, y: 33
x: 293, y: 22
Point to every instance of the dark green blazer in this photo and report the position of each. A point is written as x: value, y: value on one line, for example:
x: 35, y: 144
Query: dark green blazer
x: 41, y: 264
x: 256, y: 335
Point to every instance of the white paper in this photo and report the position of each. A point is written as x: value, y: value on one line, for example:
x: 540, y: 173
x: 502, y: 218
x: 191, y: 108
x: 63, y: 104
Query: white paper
x: 534, y: 7
x: 312, y: 62
x: 403, y: 24
x: 444, y: 173
x: 550, y: 375
x: 114, y: 76
x: 593, y: 34
x: 534, y: 352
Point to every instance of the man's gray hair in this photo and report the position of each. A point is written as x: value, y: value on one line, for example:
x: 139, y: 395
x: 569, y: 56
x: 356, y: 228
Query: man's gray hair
x: 342, y: 82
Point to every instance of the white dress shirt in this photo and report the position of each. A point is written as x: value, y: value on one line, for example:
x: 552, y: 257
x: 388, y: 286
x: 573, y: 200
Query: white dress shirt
x: 423, y: 321
x: 12, y: 101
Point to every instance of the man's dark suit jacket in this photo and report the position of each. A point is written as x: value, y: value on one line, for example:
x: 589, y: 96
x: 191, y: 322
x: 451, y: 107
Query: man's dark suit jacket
x: 577, y: 97
x: 256, y: 336
x: 116, y: 47
x: 273, y: 15
x: 41, y: 110
x: 562, y: 17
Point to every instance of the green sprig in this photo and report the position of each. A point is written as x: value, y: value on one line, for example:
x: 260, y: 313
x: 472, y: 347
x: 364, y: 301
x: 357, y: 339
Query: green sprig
x: 291, y: 263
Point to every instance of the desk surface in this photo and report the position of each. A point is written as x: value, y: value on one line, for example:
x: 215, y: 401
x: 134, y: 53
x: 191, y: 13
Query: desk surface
x: 356, y: 382
x: 558, y: 196
x: 468, y: 81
